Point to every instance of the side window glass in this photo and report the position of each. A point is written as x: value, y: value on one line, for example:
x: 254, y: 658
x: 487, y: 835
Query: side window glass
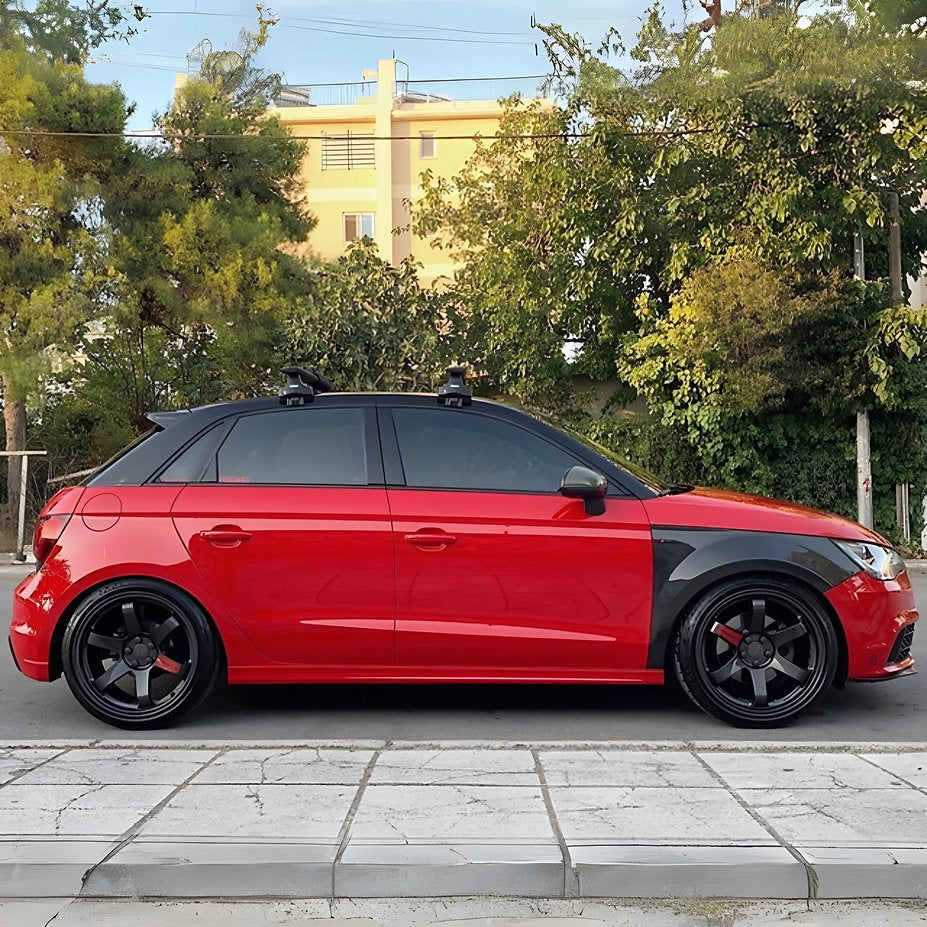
x: 445, y: 449
x: 189, y: 466
x: 307, y: 446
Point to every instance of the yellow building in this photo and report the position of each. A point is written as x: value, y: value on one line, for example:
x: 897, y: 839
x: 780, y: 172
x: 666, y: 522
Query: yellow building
x: 368, y: 144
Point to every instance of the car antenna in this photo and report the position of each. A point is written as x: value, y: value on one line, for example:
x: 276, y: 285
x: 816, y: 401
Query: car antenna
x: 302, y: 383
x: 454, y: 392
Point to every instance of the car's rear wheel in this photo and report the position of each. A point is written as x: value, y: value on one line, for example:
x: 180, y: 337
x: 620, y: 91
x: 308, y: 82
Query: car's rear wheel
x: 756, y: 652
x: 140, y: 654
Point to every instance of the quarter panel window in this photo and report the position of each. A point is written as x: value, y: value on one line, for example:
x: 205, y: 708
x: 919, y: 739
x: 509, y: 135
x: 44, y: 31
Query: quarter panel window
x: 447, y: 449
x: 303, y: 447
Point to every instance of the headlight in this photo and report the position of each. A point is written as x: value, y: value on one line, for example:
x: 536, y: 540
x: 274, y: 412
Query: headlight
x: 881, y: 562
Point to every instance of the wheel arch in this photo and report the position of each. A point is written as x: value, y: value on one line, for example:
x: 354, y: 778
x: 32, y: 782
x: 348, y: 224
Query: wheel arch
x: 54, y: 658
x: 688, y: 563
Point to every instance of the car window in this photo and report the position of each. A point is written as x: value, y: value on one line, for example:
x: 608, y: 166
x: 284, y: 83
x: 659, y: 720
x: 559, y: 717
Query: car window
x: 189, y: 466
x: 447, y: 449
x: 296, y: 446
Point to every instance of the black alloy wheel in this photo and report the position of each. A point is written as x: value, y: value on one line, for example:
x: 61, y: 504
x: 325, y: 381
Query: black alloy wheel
x: 139, y: 654
x: 756, y: 652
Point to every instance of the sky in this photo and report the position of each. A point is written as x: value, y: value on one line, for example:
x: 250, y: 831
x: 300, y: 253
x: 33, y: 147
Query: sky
x: 323, y: 42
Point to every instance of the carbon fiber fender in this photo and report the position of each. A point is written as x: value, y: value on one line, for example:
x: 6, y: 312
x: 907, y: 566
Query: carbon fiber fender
x: 687, y: 561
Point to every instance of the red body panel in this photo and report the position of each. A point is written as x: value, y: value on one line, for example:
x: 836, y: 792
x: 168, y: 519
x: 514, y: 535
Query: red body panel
x: 872, y: 613
x: 311, y: 582
x: 718, y: 508
x: 139, y: 541
x: 526, y: 582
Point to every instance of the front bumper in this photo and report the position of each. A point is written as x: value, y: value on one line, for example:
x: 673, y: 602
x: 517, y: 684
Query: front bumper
x: 875, y: 617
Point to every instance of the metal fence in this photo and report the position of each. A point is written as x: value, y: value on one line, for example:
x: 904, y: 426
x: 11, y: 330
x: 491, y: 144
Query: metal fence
x: 413, y: 91
x: 470, y: 88
x: 40, y: 478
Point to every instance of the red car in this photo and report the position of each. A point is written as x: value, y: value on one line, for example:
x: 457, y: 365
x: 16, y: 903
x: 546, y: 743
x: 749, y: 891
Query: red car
x: 338, y: 537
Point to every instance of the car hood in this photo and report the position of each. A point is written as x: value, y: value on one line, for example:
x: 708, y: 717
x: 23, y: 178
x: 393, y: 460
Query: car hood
x: 719, y: 508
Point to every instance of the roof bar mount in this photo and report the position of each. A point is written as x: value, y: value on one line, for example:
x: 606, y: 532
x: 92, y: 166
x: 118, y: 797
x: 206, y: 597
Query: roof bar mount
x: 302, y: 383
x: 454, y: 392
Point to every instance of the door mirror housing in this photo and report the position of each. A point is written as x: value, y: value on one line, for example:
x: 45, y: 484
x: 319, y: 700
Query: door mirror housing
x: 582, y: 483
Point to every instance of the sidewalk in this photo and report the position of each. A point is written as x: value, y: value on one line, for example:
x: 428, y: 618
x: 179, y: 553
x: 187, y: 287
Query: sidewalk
x: 376, y: 820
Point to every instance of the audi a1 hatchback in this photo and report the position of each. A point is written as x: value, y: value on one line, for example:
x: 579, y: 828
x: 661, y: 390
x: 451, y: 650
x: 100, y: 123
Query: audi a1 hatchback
x: 337, y: 537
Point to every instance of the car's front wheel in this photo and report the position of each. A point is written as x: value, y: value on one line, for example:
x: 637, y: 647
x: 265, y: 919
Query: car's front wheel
x: 756, y: 652
x: 139, y: 654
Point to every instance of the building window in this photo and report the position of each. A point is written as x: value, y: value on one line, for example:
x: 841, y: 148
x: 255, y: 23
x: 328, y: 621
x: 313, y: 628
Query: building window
x: 349, y: 152
x: 358, y: 225
x: 426, y: 145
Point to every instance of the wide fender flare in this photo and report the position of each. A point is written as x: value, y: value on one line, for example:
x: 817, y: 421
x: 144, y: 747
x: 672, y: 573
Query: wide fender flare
x: 688, y: 561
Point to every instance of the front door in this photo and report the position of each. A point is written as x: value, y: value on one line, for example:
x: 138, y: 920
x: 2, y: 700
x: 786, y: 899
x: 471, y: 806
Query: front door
x: 495, y: 570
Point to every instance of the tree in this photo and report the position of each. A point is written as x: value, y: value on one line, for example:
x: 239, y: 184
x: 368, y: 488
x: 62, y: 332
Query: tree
x: 369, y: 325
x: 63, y: 30
x: 899, y: 14
x: 772, y: 141
x: 198, y: 230
x: 49, y: 198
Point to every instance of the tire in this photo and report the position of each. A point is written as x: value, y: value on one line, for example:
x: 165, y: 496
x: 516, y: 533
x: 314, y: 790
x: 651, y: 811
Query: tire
x: 756, y: 652
x: 140, y: 654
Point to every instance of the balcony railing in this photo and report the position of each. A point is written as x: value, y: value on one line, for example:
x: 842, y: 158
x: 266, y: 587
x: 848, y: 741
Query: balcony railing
x: 413, y: 91
x: 469, y: 88
x: 325, y: 94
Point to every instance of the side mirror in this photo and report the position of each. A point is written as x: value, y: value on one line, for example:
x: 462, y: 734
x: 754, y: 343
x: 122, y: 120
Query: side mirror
x: 582, y: 483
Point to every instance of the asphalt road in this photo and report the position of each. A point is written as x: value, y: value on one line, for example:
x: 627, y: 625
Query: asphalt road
x: 893, y: 711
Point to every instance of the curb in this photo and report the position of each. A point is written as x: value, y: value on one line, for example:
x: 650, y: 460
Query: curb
x: 240, y: 871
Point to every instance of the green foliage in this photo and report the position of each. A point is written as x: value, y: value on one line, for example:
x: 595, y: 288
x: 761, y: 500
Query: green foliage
x: 368, y: 325
x: 49, y: 188
x: 65, y: 30
x: 80, y: 423
x: 200, y: 275
x: 898, y: 14
x: 697, y: 232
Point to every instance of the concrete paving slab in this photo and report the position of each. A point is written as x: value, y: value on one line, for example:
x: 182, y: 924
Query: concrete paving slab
x: 79, y: 809
x: 225, y: 820
x: 14, y: 763
x: 866, y: 817
x: 688, y: 872
x: 378, y: 871
x: 452, y: 814
x: 190, y: 869
x: 912, y: 767
x: 309, y: 813
x: 455, y: 767
x: 799, y: 771
x: 654, y: 816
x: 868, y: 872
x: 288, y: 765
x: 47, y: 868
x: 625, y: 768
x: 118, y: 767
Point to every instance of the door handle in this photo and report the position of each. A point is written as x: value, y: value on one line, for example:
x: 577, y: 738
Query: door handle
x: 431, y: 540
x: 225, y: 535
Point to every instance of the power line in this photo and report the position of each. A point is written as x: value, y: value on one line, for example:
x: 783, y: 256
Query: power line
x: 288, y: 23
x: 197, y: 136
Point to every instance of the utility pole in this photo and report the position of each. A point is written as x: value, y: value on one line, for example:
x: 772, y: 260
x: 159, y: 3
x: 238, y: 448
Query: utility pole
x: 902, y: 490
x: 863, y: 456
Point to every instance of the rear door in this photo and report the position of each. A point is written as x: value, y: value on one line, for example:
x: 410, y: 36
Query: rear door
x: 287, y: 521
